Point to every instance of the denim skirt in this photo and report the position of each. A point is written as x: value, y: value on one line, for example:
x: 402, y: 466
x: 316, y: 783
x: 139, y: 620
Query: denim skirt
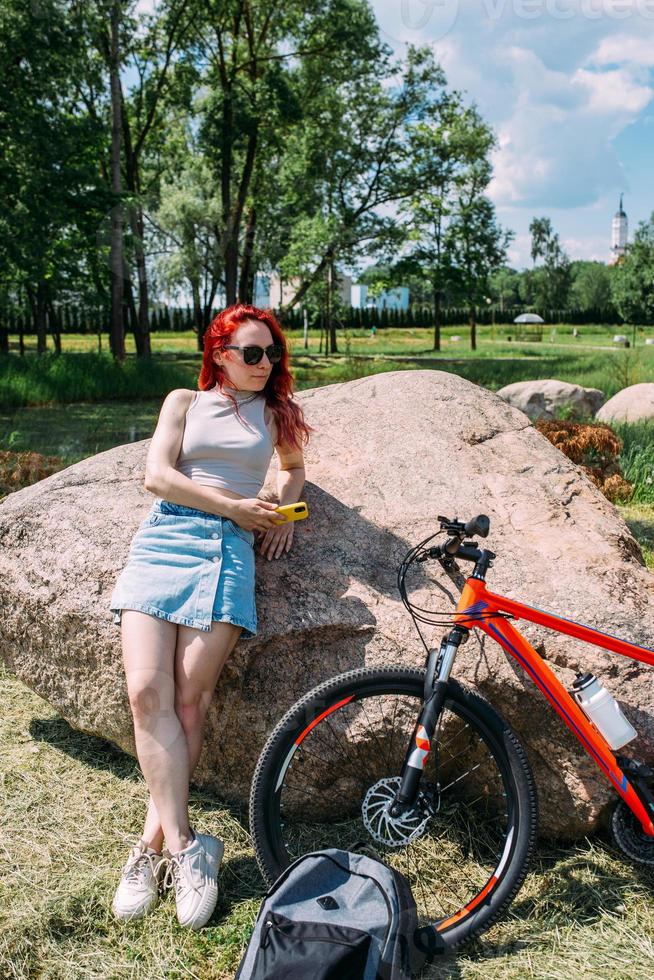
x: 189, y: 567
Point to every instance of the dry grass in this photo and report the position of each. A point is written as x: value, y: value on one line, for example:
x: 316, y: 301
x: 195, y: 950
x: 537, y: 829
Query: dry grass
x: 68, y: 800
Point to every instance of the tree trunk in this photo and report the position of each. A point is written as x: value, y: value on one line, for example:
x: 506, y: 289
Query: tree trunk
x: 55, y: 329
x: 198, y: 312
x: 246, y: 279
x: 331, y: 346
x: 130, y: 315
x: 473, y: 328
x: 38, y: 305
x: 142, y: 325
x: 437, y: 318
x: 117, y: 333
x: 233, y: 210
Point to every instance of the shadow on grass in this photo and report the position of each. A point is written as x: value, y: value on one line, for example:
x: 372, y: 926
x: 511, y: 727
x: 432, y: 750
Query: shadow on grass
x: 104, y: 755
x: 570, y: 883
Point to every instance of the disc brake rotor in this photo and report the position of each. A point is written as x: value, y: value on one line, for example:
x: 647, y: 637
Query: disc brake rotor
x: 386, y: 829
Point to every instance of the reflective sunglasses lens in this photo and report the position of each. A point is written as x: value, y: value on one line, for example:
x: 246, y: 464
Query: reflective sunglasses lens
x: 275, y: 353
x: 252, y: 355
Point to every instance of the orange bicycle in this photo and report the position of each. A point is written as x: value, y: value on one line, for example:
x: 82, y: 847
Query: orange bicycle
x: 425, y: 772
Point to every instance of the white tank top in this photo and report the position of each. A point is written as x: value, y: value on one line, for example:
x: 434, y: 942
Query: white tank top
x: 219, y: 449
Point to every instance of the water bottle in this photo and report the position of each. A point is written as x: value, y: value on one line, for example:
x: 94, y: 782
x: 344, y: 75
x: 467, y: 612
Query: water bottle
x: 603, y: 710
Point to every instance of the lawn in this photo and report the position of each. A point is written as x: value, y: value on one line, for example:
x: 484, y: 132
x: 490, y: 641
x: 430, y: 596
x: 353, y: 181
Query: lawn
x: 69, y: 800
x: 84, y: 374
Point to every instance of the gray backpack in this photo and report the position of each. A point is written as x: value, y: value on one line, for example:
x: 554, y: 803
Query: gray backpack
x: 333, y: 915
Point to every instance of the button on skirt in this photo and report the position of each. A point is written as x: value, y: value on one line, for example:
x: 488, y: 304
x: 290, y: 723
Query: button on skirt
x: 189, y: 567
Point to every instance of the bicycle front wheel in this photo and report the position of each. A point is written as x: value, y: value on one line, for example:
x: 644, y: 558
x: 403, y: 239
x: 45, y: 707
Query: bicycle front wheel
x: 330, y: 769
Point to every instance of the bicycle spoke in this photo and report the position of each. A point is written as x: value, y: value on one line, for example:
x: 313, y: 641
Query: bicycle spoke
x: 362, y: 744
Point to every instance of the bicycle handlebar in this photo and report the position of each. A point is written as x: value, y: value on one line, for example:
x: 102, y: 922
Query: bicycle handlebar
x: 479, y: 525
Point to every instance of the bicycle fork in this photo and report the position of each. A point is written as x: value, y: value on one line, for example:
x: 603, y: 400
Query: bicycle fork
x: 439, y: 667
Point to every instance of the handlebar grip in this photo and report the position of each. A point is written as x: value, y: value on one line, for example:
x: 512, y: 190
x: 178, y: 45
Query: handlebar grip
x: 478, y: 525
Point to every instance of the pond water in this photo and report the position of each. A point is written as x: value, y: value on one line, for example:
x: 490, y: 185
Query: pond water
x: 76, y: 431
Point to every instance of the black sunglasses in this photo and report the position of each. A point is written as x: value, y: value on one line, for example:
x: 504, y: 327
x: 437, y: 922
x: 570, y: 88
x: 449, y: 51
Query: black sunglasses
x: 253, y: 354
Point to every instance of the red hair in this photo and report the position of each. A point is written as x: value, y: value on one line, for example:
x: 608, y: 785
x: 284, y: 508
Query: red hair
x: 292, y: 430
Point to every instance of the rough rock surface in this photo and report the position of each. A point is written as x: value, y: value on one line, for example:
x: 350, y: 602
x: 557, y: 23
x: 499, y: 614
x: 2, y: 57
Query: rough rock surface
x: 390, y: 453
x: 542, y: 399
x: 632, y: 404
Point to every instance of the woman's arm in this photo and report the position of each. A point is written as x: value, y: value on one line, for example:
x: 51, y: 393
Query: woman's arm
x: 290, y: 483
x: 161, y: 477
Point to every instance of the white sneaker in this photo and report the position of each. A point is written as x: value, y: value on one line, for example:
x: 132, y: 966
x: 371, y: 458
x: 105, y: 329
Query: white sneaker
x: 194, y: 874
x: 138, y: 890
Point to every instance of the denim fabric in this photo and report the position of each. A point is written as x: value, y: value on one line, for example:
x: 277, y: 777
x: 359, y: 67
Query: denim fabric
x: 189, y: 567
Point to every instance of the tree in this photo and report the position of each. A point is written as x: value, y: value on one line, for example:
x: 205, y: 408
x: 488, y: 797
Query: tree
x: 504, y: 285
x: 632, y: 280
x: 551, y: 289
x: 477, y: 245
x: 186, y: 223
x: 360, y: 167
x: 50, y: 189
x: 442, y: 146
x: 591, y: 285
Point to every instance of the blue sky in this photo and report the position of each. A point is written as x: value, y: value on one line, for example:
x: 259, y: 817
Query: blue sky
x: 567, y: 85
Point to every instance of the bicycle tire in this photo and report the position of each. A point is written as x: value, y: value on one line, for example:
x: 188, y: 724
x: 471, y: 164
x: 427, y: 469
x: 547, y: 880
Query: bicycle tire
x: 325, y: 704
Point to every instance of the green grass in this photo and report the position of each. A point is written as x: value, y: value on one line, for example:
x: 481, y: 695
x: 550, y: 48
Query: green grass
x: 68, y: 801
x: 637, y: 458
x: 639, y: 517
x: 83, y: 374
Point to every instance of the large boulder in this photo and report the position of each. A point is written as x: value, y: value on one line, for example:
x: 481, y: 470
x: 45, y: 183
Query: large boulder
x: 632, y: 404
x: 544, y: 398
x: 389, y: 454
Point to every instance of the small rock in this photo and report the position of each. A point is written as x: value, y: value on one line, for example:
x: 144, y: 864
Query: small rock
x: 543, y: 399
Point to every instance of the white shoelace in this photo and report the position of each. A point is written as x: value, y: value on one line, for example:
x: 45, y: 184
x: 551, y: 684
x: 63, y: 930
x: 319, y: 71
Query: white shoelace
x: 177, y: 873
x: 136, y: 868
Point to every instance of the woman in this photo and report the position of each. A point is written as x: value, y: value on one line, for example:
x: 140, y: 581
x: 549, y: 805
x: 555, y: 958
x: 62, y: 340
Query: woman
x: 186, y: 594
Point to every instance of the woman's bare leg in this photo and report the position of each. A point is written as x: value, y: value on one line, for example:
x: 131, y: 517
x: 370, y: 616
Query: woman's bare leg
x: 149, y: 646
x: 199, y: 660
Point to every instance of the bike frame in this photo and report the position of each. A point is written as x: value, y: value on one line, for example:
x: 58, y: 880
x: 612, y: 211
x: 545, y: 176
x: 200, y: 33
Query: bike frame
x: 476, y: 598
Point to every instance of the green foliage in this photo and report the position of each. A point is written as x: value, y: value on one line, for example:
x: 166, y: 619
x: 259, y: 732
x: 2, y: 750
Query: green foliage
x: 49, y: 152
x: 591, y: 285
x: 504, y: 287
x: 549, y: 286
x: 632, y: 280
x: 65, y: 378
x: 637, y: 458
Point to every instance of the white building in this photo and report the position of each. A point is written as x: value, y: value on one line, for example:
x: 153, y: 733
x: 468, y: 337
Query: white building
x: 619, y: 233
x: 388, y: 299
x: 270, y: 290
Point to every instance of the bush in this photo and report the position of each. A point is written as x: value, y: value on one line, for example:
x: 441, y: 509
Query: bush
x: 596, y: 448
x: 18, y: 470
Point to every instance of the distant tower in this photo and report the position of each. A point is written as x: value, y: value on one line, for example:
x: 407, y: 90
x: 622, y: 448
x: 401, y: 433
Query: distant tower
x: 619, y: 233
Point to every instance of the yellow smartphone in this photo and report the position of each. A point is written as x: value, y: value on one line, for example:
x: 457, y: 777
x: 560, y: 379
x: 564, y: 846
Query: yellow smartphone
x: 293, y: 512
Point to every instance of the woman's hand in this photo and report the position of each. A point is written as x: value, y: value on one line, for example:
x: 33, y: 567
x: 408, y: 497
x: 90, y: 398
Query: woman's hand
x: 276, y: 541
x: 254, y: 514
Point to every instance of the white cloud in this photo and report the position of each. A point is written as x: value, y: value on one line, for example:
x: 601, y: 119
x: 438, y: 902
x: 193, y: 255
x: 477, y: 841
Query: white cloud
x: 615, y: 94
x: 563, y: 94
x: 555, y: 145
x: 620, y: 49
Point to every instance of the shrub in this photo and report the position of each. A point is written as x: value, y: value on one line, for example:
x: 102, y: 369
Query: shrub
x: 18, y: 470
x: 596, y: 448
